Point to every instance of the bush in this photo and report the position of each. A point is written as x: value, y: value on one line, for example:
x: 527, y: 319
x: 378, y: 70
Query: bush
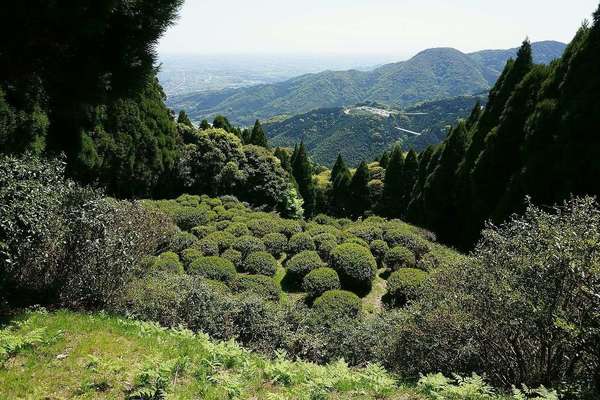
x: 356, y: 266
x: 379, y: 248
x: 203, y: 231
x: 290, y: 227
x: 358, y: 241
x: 264, y: 226
x: 302, y: 263
x: 216, y: 268
x: 208, y: 247
x: 300, y: 242
x: 325, y: 248
x: 319, y: 281
x: 404, y: 286
x: 336, y: 304
x: 181, y: 241
x: 399, y: 257
x: 223, y: 239
x: 260, y: 263
x: 247, y: 244
x: 366, y: 232
x: 233, y: 255
x: 276, y: 243
x: 187, y: 218
x: 238, y: 229
x: 189, y: 255
x: 260, y: 285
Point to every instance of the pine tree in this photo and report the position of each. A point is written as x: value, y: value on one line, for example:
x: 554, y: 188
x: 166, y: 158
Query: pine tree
x: 258, y: 137
x: 338, y: 167
x: 184, y: 119
x: 384, y: 160
x: 359, y: 200
x: 340, y: 182
x: 409, y: 178
x: 393, y: 187
x: 222, y: 122
x: 204, y: 125
x: 284, y: 157
x: 302, y: 171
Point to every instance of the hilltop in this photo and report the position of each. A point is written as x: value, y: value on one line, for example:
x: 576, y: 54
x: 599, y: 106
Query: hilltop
x: 432, y: 74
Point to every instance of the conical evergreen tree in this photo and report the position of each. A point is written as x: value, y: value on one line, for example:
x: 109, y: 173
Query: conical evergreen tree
x: 340, y: 182
x: 384, y: 160
x: 409, y: 178
x: 204, y: 125
x: 393, y: 187
x: 284, y: 157
x: 338, y: 167
x: 359, y: 200
x: 222, y: 122
x: 258, y: 137
x: 302, y: 171
x: 184, y: 119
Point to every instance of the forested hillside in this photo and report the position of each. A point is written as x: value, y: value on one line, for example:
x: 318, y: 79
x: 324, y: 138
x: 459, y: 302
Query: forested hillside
x: 432, y: 74
x: 365, y: 131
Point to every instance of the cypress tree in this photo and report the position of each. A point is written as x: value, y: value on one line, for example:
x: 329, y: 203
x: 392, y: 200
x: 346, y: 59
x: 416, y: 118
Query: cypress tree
x: 340, y: 182
x: 284, y: 157
x: 258, y: 137
x: 384, y: 160
x: 410, y: 174
x: 222, y: 122
x: 338, y: 167
x: 302, y: 171
x: 359, y: 200
x: 204, y: 125
x: 184, y: 119
x: 393, y: 187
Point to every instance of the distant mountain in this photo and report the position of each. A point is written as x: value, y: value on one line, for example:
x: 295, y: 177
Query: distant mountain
x: 363, y: 132
x: 430, y: 75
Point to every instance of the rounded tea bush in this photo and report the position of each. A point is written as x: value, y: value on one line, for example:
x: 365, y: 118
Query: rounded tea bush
x: 319, y: 281
x: 264, y: 226
x: 355, y: 264
x: 168, y: 262
x: 217, y: 268
x: 335, y: 304
x: 202, y: 231
x: 208, y: 247
x: 367, y: 232
x: 290, y: 227
x: 325, y: 249
x: 399, y: 257
x: 223, y: 239
x: 301, y: 242
x: 260, y: 263
x: 238, y: 229
x: 233, y: 255
x: 188, y: 256
x: 260, y: 285
x: 276, y: 243
x: 358, y: 241
x: 403, y: 286
x: 181, y: 241
x: 302, y: 263
x: 379, y: 248
x: 247, y: 244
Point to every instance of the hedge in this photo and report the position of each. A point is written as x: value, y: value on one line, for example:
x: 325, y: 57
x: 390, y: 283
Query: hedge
x: 168, y: 262
x: 301, y: 242
x: 302, y: 263
x: 260, y: 285
x: 260, y: 263
x: 188, y: 256
x: 223, y: 239
x: 379, y: 248
x: 212, y: 267
x: 320, y: 280
x: 335, y: 304
x: 247, y: 244
x: 233, y: 255
x: 356, y: 266
x: 404, y: 286
x: 276, y: 243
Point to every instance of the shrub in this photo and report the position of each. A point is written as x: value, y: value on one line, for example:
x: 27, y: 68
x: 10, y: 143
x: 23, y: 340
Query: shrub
x: 181, y: 241
x: 208, y: 247
x: 247, y: 244
x: 290, y: 227
x: 418, y: 245
x: 221, y: 225
x: 325, y: 248
x: 399, y: 257
x: 358, y: 241
x: 336, y: 304
x: 233, y: 255
x: 168, y: 262
x: 366, y: 232
x: 276, y: 243
x: 300, y: 242
x: 260, y: 285
x: 260, y: 263
x: 187, y: 218
x: 404, y: 286
x: 212, y: 267
x: 189, y: 255
x: 379, y: 248
x: 203, y: 231
x: 223, y: 239
x: 263, y: 226
x: 302, y: 263
x: 238, y: 229
x: 319, y: 281
x: 355, y: 264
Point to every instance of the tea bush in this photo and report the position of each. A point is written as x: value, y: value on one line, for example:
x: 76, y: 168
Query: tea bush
x: 336, y: 304
x: 213, y: 267
x: 319, y: 281
x: 302, y: 263
x: 399, y: 257
x: 276, y: 243
x: 168, y: 262
x: 356, y: 266
x: 260, y: 263
x: 260, y: 285
x: 247, y: 244
x: 404, y: 286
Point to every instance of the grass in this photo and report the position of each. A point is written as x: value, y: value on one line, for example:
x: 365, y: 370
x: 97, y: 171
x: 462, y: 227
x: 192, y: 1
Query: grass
x: 83, y: 356
x: 372, y: 303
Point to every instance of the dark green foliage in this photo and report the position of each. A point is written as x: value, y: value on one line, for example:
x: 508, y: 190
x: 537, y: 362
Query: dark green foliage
x: 204, y: 125
x: 284, y: 157
x: 404, y: 286
x: 340, y: 188
x: 258, y: 137
x: 276, y: 243
x: 319, y: 281
x: 238, y: 229
x: 336, y: 304
x: 217, y: 268
x: 355, y: 264
x: 260, y: 285
x: 399, y: 257
x: 379, y: 249
x: 248, y: 244
x: 359, y: 196
x: 303, y: 263
x: 223, y: 239
x: 221, y: 122
x: 188, y: 256
x: 303, y: 174
x: 300, y: 242
x: 183, y: 119
x: 409, y: 178
x: 393, y: 189
x: 208, y: 247
x: 181, y: 241
x: 260, y: 263
x: 234, y: 256
x: 168, y: 262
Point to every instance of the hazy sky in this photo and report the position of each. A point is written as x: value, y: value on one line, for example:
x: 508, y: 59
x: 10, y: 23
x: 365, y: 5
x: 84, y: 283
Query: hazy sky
x: 393, y: 27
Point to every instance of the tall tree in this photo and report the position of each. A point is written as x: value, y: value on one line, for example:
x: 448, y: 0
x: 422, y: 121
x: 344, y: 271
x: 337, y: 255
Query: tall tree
x: 204, y: 125
x: 410, y: 173
x: 340, y: 183
x: 183, y: 119
x: 338, y: 167
x: 303, y: 173
x: 359, y: 199
x: 221, y: 122
x: 393, y: 186
x: 258, y: 137
x: 284, y: 157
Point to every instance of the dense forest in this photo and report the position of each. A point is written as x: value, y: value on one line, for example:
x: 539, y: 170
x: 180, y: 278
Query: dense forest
x: 139, y: 251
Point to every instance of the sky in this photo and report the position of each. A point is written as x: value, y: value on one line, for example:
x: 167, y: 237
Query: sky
x: 397, y: 28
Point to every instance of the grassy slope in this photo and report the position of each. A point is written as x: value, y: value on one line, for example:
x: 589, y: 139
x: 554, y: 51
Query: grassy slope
x: 102, y: 357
